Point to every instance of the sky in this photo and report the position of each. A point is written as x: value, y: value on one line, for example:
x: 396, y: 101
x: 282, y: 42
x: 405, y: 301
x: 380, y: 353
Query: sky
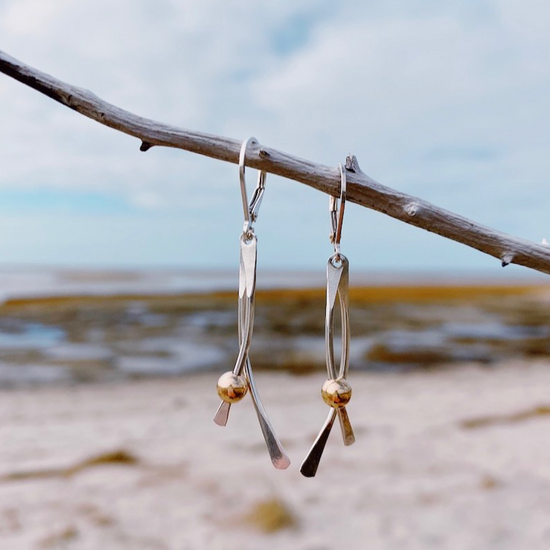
x: 446, y: 100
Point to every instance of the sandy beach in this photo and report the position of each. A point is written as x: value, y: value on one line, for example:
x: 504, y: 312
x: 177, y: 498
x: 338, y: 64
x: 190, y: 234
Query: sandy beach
x: 453, y: 459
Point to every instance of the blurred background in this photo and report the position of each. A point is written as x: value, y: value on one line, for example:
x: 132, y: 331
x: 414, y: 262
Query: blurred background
x: 118, y: 275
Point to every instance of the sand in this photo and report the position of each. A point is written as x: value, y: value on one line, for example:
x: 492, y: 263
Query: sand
x: 455, y: 459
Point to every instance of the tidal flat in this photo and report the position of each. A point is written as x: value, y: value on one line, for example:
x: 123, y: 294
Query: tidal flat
x: 93, y: 338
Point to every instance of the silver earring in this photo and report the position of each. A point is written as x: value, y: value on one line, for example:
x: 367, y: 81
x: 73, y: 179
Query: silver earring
x: 232, y: 385
x: 336, y: 391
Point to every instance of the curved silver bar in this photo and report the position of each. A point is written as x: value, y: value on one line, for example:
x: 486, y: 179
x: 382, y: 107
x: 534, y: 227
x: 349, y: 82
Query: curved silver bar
x: 276, y: 451
x: 247, y: 286
x: 337, y: 286
x: 246, y: 321
x: 311, y: 462
x: 343, y: 296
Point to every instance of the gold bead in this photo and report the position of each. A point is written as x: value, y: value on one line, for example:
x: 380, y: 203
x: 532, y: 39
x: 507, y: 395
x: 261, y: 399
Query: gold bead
x: 231, y: 388
x: 336, y: 393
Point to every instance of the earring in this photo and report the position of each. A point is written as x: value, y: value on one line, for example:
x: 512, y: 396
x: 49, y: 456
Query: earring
x: 232, y: 385
x: 336, y: 391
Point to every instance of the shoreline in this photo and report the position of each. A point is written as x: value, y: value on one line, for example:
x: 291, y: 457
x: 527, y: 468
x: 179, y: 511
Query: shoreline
x: 360, y: 294
x: 20, y: 283
x: 80, y: 339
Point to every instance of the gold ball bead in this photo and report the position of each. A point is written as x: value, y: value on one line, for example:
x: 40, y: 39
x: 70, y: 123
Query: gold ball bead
x: 336, y: 393
x: 231, y: 388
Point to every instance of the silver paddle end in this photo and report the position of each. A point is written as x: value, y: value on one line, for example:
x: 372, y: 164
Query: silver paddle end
x: 347, y: 431
x: 281, y: 462
x: 222, y: 414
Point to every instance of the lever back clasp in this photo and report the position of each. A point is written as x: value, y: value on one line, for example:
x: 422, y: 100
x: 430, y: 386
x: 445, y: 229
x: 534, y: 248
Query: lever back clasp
x: 250, y: 210
x: 337, y: 213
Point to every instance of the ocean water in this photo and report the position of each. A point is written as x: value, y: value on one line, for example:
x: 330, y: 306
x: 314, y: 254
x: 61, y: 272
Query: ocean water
x: 29, y: 282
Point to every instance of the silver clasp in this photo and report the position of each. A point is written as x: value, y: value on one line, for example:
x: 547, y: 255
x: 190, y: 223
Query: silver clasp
x: 337, y: 213
x: 250, y: 210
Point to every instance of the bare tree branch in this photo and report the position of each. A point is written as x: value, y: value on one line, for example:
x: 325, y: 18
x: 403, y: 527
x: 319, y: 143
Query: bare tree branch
x: 362, y: 189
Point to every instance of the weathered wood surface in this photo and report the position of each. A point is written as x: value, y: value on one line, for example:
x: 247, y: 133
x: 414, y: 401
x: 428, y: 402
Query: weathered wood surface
x: 362, y: 189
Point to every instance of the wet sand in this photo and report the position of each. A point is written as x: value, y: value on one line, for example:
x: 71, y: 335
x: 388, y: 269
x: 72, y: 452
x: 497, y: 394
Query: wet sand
x: 452, y: 459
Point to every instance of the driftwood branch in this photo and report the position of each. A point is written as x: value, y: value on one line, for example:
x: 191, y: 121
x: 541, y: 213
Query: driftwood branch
x: 362, y: 189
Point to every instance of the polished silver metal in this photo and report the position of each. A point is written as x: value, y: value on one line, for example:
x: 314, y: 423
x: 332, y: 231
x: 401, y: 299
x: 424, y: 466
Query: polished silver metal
x: 247, y: 287
x: 250, y: 209
x: 311, y: 463
x: 278, y: 456
x: 337, y: 287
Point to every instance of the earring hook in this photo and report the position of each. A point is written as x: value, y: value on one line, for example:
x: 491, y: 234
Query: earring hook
x: 337, y: 213
x: 250, y: 210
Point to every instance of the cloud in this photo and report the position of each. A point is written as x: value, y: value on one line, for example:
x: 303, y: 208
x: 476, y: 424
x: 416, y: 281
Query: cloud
x: 443, y: 100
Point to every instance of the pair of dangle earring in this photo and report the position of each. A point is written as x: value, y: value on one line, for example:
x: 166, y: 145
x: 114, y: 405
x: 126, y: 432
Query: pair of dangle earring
x: 336, y: 391
x: 232, y: 385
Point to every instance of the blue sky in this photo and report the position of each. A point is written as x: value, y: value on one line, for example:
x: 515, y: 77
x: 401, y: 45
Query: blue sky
x: 446, y: 100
